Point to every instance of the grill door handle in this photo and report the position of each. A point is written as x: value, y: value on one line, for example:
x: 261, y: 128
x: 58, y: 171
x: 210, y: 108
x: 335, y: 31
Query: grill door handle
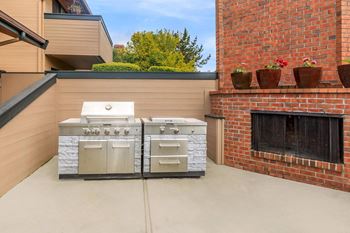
x: 169, y: 162
x: 169, y: 145
x: 93, y: 147
x: 121, y: 147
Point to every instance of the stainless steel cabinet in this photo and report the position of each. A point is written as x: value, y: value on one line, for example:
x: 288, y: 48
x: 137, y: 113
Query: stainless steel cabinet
x: 92, y: 157
x: 169, y: 147
x: 106, y: 157
x: 161, y: 164
x: 169, y: 155
x: 120, y: 157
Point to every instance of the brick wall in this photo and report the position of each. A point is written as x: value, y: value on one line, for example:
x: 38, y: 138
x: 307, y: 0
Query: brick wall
x: 236, y: 105
x: 257, y: 32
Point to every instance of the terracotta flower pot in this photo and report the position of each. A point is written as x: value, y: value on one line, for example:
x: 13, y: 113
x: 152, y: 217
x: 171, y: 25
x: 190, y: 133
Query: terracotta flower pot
x: 268, y: 79
x: 344, y: 75
x: 242, y: 80
x: 307, y: 77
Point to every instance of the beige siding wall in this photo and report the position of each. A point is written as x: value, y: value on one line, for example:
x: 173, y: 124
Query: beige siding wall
x: 23, y: 57
x: 48, y: 6
x: 182, y: 98
x: 13, y: 84
x: 106, y: 49
x: 28, y: 141
x: 72, y: 37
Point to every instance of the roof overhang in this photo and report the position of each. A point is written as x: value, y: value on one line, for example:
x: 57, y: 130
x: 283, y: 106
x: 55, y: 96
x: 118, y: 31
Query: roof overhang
x: 19, y: 32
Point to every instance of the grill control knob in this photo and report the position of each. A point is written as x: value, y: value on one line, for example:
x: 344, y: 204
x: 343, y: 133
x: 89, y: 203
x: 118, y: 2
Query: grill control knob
x: 116, y: 131
x: 97, y: 131
x: 126, y: 131
x: 162, y: 129
x: 86, y: 131
x: 176, y: 130
x: 107, y: 131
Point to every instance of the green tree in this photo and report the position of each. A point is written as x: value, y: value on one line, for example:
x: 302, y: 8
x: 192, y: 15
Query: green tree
x: 122, y: 54
x: 191, y: 50
x: 162, y: 48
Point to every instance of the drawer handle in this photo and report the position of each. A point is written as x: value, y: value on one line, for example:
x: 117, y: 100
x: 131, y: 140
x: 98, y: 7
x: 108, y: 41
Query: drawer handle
x: 174, y: 162
x: 169, y: 145
x: 121, y: 147
x: 95, y: 147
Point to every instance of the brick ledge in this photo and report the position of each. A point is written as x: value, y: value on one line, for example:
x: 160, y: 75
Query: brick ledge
x: 299, y: 161
x: 281, y: 91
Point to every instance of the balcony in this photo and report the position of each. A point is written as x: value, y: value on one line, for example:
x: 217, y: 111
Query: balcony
x: 78, y: 40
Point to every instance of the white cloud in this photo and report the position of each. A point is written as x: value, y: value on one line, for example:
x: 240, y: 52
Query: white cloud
x: 181, y: 9
x: 120, y: 37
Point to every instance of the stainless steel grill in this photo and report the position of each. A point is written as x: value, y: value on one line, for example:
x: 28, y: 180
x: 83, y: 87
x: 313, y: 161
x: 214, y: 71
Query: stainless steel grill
x: 174, y: 147
x: 106, y: 140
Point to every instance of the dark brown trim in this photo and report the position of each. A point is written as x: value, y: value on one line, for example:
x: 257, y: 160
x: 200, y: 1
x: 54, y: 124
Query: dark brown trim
x: 11, y: 27
x: 136, y: 75
x: 101, y: 176
x: 298, y: 114
x: 174, y: 175
x: 19, y: 102
x: 214, y: 116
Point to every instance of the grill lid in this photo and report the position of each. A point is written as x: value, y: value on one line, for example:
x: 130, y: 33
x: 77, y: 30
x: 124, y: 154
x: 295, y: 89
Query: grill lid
x: 107, y: 112
x: 168, y: 120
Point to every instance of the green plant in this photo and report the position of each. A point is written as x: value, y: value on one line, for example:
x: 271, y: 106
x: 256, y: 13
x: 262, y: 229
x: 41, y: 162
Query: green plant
x: 308, y: 62
x: 163, y: 48
x: 116, y: 67
x: 191, y: 50
x: 277, y: 65
x: 241, y: 68
x: 163, y: 69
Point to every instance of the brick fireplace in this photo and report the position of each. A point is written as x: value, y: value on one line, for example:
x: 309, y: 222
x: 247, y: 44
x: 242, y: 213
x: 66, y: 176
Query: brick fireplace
x: 237, y: 105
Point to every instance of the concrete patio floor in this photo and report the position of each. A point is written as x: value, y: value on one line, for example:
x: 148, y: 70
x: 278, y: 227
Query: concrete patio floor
x: 226, y: 200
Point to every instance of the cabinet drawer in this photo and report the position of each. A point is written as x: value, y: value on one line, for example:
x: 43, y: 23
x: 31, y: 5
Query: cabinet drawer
x: 162, y: 164
x: 92, y: 157
x: 169, y: 147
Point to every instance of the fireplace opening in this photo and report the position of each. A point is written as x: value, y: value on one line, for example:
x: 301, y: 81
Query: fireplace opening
x: 306, y: 135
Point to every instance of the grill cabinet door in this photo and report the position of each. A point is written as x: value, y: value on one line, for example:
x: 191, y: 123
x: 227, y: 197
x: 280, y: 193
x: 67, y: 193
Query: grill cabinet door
x: 92, y: 157
x: 120, y: 159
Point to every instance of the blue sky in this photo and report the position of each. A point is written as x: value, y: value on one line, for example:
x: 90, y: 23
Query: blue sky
x: 124, y: 17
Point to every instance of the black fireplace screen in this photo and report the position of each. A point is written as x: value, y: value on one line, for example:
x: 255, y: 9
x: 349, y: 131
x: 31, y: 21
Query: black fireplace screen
x: 311, y: 136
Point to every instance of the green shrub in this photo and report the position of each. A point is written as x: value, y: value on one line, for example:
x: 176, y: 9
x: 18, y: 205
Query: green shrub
x: 163, y: 69
x: 116, y: 67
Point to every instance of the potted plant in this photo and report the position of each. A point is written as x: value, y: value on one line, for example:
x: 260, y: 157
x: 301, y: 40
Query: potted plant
x: 75, y: 8
x: 308, y: 76
x: 344, y: 73
x: 241, y: 78
x: 270, y: 77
